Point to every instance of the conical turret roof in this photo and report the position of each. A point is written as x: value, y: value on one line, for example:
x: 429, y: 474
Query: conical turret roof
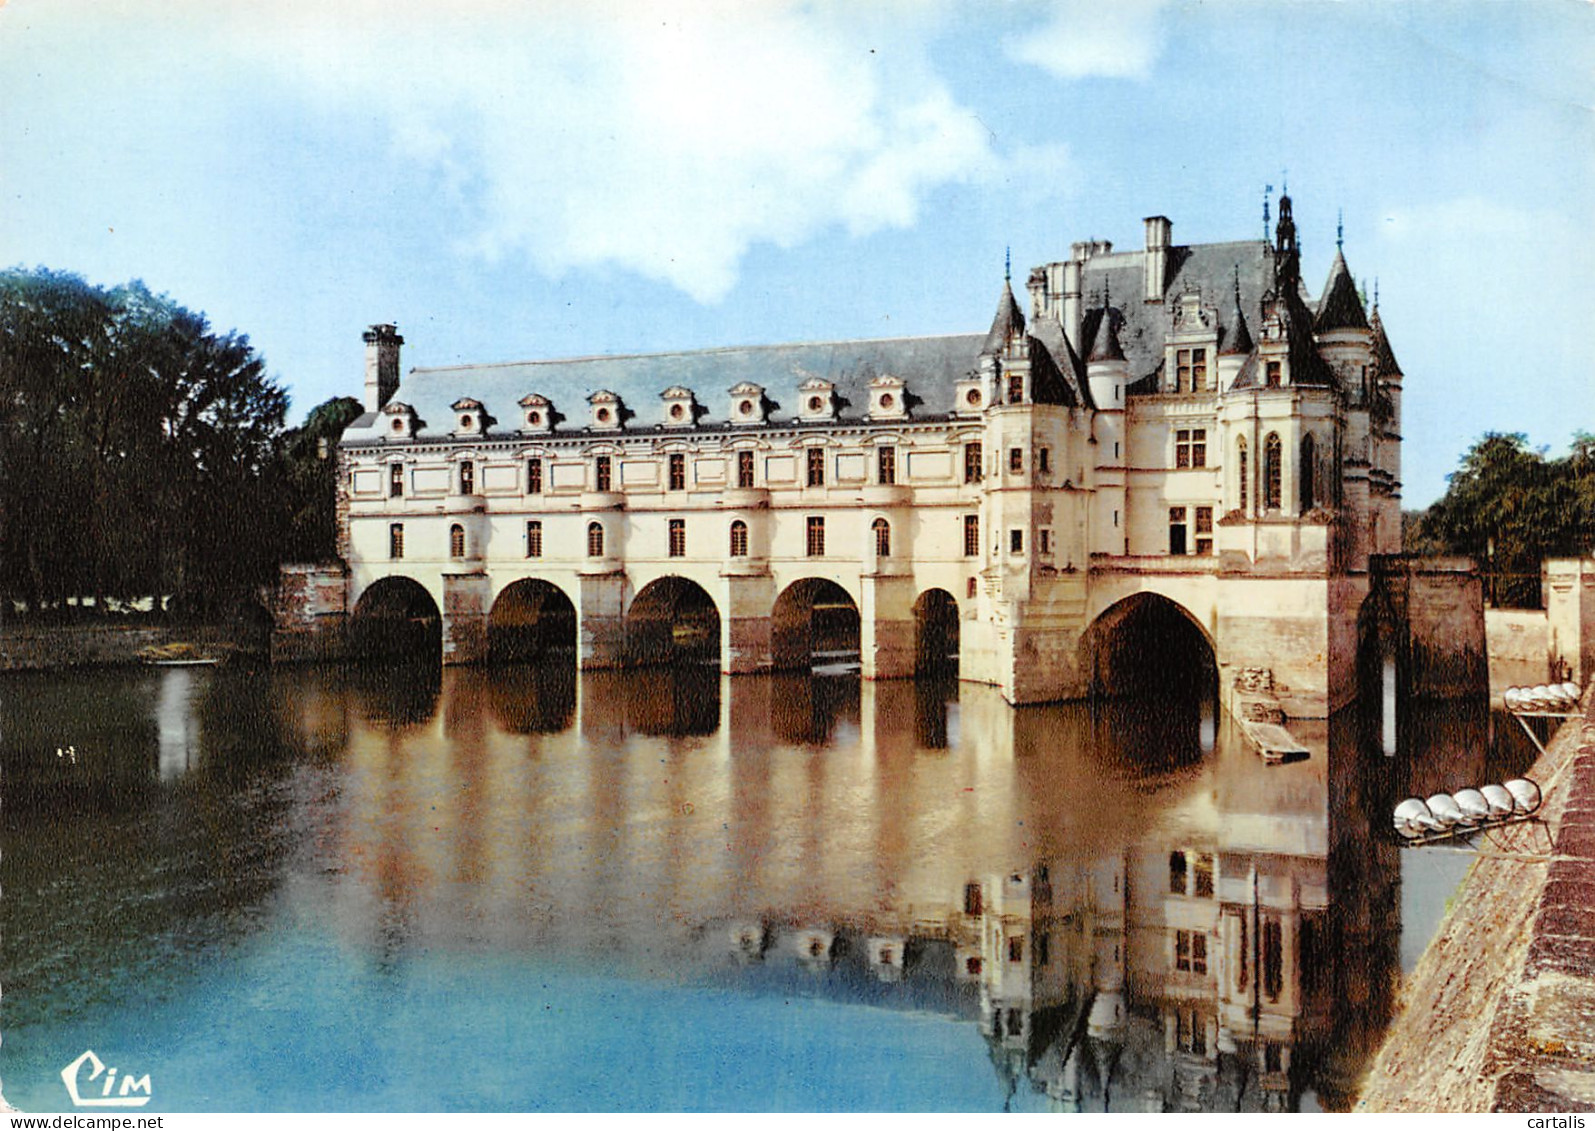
x: 1010, y: 320
x: 1341, y: 308
x: 1107, y: 346
x: 1238, y: 339
x: 1384, y: 360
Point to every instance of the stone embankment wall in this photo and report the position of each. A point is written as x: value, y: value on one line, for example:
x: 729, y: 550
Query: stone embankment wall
x: 89, y: 645
x: 1500, y: 1013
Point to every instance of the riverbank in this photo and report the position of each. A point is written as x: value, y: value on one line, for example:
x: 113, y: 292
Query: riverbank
x: 52, y: 647
x: 1499, y: 1014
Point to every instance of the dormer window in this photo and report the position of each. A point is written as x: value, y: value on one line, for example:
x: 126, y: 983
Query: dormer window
x: 1190, y: 372
x: 402, y: 421
x: 681, y: 407
x: 818, y: 400
x: 888, y: 398
x: 1274, y: 373
x: 470, y: 417
x: 608, y: 412
x: 969, y: 396
x: 748, y: 405
x: 537, y: 413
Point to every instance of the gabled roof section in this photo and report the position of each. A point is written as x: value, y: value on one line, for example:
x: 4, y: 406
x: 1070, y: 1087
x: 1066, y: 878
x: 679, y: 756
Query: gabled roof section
x: 1009, y: 320
x: 1047, y: 336
x: 1341, y: 306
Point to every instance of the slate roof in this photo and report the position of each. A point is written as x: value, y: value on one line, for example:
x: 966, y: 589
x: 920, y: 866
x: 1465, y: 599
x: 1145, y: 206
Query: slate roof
x: 1341, y: 308
x: 1208, y: 268
x: 1008, y: 321
x: 1384, y: 359
x: 929, y: 366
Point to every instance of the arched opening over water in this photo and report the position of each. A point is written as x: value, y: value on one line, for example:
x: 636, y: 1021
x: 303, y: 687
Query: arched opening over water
x: 1154, y: 679
x: 672, y: 621
x: 396, y: 617
x: 936, y: 634
x: 531, y: 620
x: 814, y: 624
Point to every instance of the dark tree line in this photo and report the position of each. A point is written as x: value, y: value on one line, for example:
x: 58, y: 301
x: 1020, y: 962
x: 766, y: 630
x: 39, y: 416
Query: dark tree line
x: 1510, y: 507
x: 143, y: 454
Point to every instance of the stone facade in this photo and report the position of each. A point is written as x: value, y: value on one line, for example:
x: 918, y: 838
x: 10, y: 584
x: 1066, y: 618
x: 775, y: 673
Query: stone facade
x: 1175, y: 424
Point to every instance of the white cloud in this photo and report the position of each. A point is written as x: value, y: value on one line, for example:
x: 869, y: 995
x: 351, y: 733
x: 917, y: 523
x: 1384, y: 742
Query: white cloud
x: 666, y: 138
x: 1119, y: 39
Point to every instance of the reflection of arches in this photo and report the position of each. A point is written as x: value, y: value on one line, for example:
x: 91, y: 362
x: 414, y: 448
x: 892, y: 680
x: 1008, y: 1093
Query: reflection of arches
x: 537, y: 699
x: 396, y: 616
x: 936, y: 633
x: 672, y: 620
x: 813, y: 619
x: 530, y: 618
x: 252, y: 627
x: 1147, y: 644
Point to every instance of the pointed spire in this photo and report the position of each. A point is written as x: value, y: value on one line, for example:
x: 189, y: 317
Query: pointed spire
x: 1340, y: 229
x: 1239, y: 338
x: 1106, y: 347
x: 1341, y: 308
x: 1007, y: 265
x: 1009, y: 320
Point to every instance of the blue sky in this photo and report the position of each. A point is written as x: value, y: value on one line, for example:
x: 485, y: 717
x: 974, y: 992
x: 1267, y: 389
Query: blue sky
x: 510, y: 181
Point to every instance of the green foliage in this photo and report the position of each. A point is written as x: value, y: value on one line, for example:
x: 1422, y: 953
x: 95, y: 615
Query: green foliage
x: 140, y: 451
x: 1510, y: 507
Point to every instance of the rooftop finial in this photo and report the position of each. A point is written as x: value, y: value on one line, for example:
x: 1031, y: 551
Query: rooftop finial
x: 1376, y: 292
x: 1107, y: 294
x: 1340, y: 229
x: 1268, y: 235
x: 1237, y: 284
x: 1007, y: 264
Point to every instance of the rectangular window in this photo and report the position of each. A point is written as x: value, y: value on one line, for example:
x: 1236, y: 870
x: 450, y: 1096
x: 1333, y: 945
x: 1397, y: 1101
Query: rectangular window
x: 974, y: 462
x: 1016, y: 460
x: 678, y: 537
x: 1016, y: 948
x: 972, y: 899
x: 1043, y: 949
x: 1190, y: 447
x: 1016, y: 1023
x: 1177, y: 873
x: 816, y: 458
x: 1190, y: 374
x: 1182, y: 371
x: 1190, y: 951
x: 1044, y: 546
x: 1016, y: 388
x: 1177, y: 542
x: 1273, y: 375
x: 1016, y: 542
x: 396, y: 540
x: 534, y: 476
x: 1190, y: 1032
x: 467, y: 477
x: 739, y: 539
x: 1044, y: 461
x: 678, y: 472
x: 1198, y: 370
x: 971, y: 535
x: 602, y: 472
x: 744, y: 469
x: 534, y: 539
x: 395, y: 480
x: 886, y: 465
x: 1204, y: 530
x: 815, y: 543
x: 1202, y: 876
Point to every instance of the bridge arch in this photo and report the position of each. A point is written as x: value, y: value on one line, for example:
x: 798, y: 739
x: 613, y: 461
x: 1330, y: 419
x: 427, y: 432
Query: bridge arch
x: 672, y: 620
x: 396, y: 616
x: 936, y: 628
x: 530, y: 619
x: 1148, y: 644
x: 814, y: 620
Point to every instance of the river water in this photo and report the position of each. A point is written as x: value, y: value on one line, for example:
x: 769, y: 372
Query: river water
x: 389, y: 888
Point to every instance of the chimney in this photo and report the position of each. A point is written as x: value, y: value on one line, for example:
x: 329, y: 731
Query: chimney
x: 382, y: 364
x: 1071, y: 303
x: 1157, y: 256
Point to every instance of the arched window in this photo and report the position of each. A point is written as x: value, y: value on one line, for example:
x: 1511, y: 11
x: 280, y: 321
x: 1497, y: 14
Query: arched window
x: 1243, y: 469
x: 883, y: 537
x: 739, y: 539
x: 456, y: 541
x: 595, y: 540
x: 1271, y: 472
x: 1304, y: 474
